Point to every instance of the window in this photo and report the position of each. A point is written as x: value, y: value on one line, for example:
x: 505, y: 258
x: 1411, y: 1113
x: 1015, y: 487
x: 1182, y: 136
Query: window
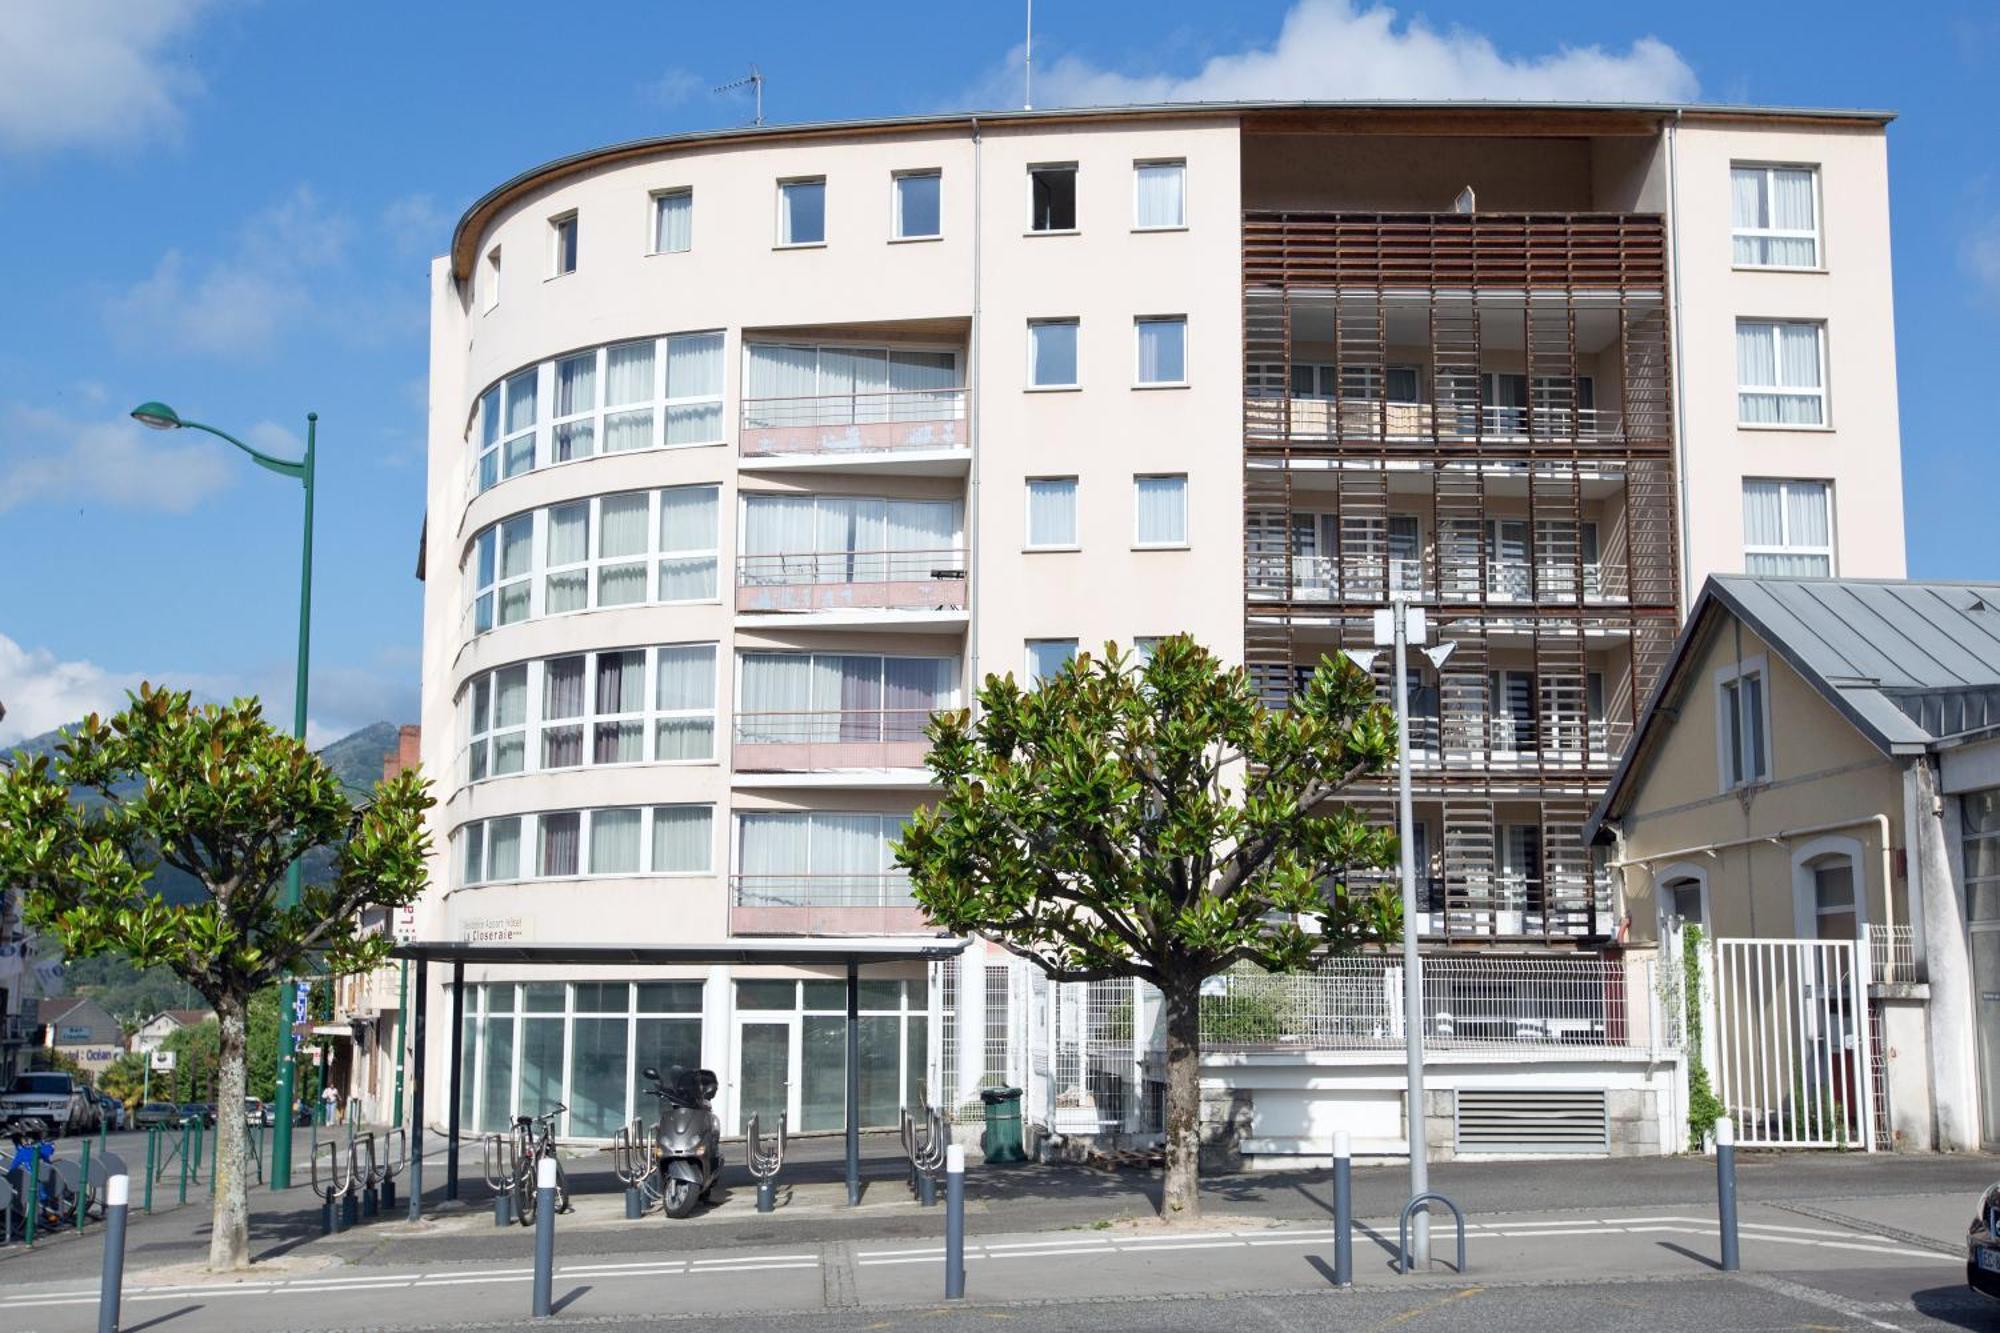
x: 562, y: 245
x: 673, y: 222
x: 1052, y: 512
x: 497, y: 723
x: 1743, y: 725
x: 1835, y: 913
x: 1052, y: 353
x: 621, y: 548
x: 621, y: 840
x: 1681, y: 899
x: 507, y: 416
x: 802, y: 212
x: 687, y: 544
x: 1052, y: 197
x: 1780, y: 379
x: 823, y: 698
x: 804, y: 384
x: 1787, y: 529
x: 1144, y: 646
x: 685, y: 703
x: 503, y: 567
x: 919, y: 205
x: 1159, y: 195
x: 593, y: 708
x: 795, y: 539
x: 490, y: 280
x: 1162, y: 342
x: 602, y: 401
x: 821, y: 858
x: 1047, y: 657
x: 1161, y: 510
x: 694, y: 389
x: 1980, y: 823
x: 1513, y: 711
x: 573, y: 416
x: 1774, y: 216
x: 628, y: 396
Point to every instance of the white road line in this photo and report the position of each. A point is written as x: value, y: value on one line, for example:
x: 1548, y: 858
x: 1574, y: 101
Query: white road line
x: 1197, y: 1245
x: 22, y: 1303
x: 750, y: 1268
x: 663, y: 1266
x: 756, y: 1259
x: 1073, y: 1243
x: 1045, y: 1254
x: 892, y: 1254
x: 462, y: 1281
x: 1295, y: 1240
x: 912, y: 1259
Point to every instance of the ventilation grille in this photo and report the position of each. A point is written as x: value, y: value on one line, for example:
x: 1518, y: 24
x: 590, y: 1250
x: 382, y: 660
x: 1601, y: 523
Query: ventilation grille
x: 1538, y: 1120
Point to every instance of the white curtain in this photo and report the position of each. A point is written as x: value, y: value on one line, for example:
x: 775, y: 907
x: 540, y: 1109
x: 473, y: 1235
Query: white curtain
x: 853, y: 850
x: 510, y: 696
x: 780, y: 370
x: 1757, y: 367
x: 503, y: 848
x: 694, y: 384
x: 621, y: 531
x: 1052, y: 353
x: 615, y: 841
x: 1052, y: 512
x: 1046, y: 657
x: 561, y: 844
x: 778, y: 529
x: 1778, y: 356
x: 1162, y: 351
x: 1162, y: 510
x: 777, y: 688
x: 1160, y: 194
x: 687, y: 525
x: 1746, y: 212
x: 683, y: 839
x: 920, y: 536
x: 472, y: 847
x: 1798, y: 356
x: 686, y: 684
x: 674, y: 230
x: 912, y: 689
x: 517, y: 544
x: 521, y: 402
x: 849, y: 539
x: 576, y: 384
x: 802, y: 211
x: 569, y: 544
x: 628, y: 378
x: 773, y: 856
x: 1805, y: 514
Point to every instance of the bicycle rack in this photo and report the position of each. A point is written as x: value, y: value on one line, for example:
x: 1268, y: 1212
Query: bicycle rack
x: 395, y: 1155
x: 765, y: 1163
x: 333, y: 1189
x: 370, y: 1174
x: 633, y: 1166
x: 1403, y: 1228
x: 926, y: 1153
x: 495, y: 1166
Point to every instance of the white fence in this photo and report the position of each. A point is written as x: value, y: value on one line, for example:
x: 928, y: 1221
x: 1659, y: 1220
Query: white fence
x: 1792, y: 1048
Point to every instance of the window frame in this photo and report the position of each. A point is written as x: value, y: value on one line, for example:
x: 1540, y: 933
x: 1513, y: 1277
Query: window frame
x: 565, y: 243
x: 1138, y: 355
x: 1139, y: 542
x: 533, y: 830
x: 655, y: 212
x: 784, y: 241
x: 1788, y: 548
x: 1728, y: 690
x: 1137, y: 170
x: 1075, y: 322
x: 896, y: 178
x: 1075, y: 171
x: 1028, y: 542
x: 1028, y: 656
x: 1823, y: 394
x: 1817, y: 235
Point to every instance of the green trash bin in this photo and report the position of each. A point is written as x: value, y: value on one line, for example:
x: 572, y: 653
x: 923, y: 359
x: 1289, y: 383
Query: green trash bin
x: 1001, y: 1143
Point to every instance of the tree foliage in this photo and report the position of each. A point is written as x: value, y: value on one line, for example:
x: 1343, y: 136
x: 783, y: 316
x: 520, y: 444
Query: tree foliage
x: 216, y: 793
x: 1158, y: 821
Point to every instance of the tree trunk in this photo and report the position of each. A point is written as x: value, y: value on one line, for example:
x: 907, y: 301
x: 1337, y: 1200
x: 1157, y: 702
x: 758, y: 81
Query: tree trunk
x: 229, y: 1244
x: 1180, y: 1195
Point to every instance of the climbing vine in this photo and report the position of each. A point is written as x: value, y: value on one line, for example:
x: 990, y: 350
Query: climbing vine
x: 1704, y: 1109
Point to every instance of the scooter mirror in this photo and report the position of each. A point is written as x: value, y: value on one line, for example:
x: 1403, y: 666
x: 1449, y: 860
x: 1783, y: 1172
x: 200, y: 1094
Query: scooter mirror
x: 653, y: 1074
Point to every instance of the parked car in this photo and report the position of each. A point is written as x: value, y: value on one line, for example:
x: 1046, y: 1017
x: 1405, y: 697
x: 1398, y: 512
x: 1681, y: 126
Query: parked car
x: 1982, y: 1246
x: 57, y: 1100
x: 253, y: 1111
x: 113, y: 1112
x: 201, y: 1111
x: 156, y: 1113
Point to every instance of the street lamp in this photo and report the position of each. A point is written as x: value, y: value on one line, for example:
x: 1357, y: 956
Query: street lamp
x: 158, y: 416
x: 1396, y: 629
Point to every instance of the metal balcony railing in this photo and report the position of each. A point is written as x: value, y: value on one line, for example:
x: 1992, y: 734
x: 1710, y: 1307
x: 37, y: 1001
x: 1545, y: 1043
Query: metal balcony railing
x: 816, y: 904
x: 855, y: 409
x: 1326, y: 578
x: 1365, y: 419
x: 929, y: 580
x: 845, y: 738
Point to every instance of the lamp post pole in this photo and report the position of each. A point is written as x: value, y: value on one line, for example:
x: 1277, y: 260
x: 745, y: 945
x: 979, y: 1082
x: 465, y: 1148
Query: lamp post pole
x: 158, y: 416
x: 1413, y: 985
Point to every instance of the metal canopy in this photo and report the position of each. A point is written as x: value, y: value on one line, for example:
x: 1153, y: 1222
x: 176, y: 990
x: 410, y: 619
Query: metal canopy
x: 850, y: 954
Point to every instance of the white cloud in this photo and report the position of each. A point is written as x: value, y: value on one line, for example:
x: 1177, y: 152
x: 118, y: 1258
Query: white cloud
x: 243, y: 303
x: 47, y: 457
x: 94, y: 73
x: 674, y: 87
x: 1336, y: 50
x: 1981, y: 257
x: 42, y: 692
x: 417, y: 223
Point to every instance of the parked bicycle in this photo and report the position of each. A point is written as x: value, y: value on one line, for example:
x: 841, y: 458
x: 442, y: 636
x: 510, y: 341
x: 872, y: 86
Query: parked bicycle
x: 534, y: 1139
x: 32, y: 1140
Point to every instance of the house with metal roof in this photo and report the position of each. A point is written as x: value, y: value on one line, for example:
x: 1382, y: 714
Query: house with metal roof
x: 1815, y: 782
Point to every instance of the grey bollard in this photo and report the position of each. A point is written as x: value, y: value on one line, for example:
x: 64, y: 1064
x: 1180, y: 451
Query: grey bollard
x: 417, y: 1183
x: 767, y: 1195
x: 545, y: 1234
x: 503, y: 1208
x: 635, y: 1203
x: 117, y: 1194
x: 926, y: 1190
x: 371, y: 1202
x: 1725, y: 1192
x: 1343, y: 1210
x: 350, y: 1208
x: 954, y: 1223
x: 388, y: 1194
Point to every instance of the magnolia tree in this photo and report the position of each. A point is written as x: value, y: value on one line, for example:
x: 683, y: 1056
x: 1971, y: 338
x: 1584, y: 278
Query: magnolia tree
x: 1158, y: 821
x: 214, y: 792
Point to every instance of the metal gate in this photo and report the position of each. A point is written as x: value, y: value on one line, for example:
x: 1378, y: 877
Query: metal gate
x: 1792, y: 1049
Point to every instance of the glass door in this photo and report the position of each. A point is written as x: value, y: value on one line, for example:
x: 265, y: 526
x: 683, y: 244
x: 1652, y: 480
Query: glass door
x: 767, y: 1048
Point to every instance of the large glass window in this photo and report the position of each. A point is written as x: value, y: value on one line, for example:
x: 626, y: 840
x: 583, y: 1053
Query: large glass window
x: 496, y: 722
x: 673, y: 221
x: 802, y: 212
x: 1774, y: 216
x: 567, y: 844
x: 1052, y: 511
x: 688, y: 544
x: 799, y: 698
x: 592, y: 708
x: 819, y: 858
x: 1162, y: 348
x: 1047, y: 657
x: 507, y: 417
x: 807, y: 384
x: 1052, y: 356
x: 684, y: 702
x: 1160, y: 510
x: 1159, y: 195
x: 1981, y: 812
x: 790, y: 539
x: 919, y: 196
x: 502, y: 573
x: 1787, y: 529
x: 694, y: 389
x: 1780, y: 375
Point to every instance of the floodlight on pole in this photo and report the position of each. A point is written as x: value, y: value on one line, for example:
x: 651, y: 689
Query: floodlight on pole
x: 1363, y: 658
x: 1440, y: 653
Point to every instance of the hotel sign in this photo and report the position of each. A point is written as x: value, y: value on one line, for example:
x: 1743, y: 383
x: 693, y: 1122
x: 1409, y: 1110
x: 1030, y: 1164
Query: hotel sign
x: 492, y: 929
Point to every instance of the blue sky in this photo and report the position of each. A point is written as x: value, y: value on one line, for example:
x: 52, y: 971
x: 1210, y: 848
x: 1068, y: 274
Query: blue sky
x: 230, y: 205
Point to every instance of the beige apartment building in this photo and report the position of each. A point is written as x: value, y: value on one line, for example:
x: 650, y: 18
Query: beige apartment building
x: 750, y: 449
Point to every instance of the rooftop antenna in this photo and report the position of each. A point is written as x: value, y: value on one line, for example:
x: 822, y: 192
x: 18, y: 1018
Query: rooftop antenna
x: 1028, y: 63
x: 754, y: 81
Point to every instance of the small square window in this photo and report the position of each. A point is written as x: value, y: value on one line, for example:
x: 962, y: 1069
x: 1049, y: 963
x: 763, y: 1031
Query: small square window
x: 673, y: 222
x: 1047, y: 657
x: 802, y: 212
x: 1787, y: 529
x: 1780, y: 373
x: 1159, y: 195
x: 1774, y: 216
x: 1052, y: 512
x: 919, y: 205
x: 1052, y: 353
x: 1162, y: 344
x: 562, y: 235
x: 1161, y: 506
x: 1052, y: 197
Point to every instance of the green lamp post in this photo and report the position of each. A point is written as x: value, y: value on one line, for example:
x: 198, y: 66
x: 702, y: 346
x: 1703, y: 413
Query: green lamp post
x: 159, y: 416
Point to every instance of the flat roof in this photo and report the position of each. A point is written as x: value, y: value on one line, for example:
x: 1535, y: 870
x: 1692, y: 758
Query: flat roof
x: 804, y: 952
x: 1468, y: 117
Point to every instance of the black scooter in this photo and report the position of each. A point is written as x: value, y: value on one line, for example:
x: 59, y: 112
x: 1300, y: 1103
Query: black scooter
x: 687, y: 1142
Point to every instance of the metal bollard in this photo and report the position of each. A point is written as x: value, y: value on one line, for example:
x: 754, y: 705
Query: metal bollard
x: 83, y: 1185
x: 117, y: 1192
x: 34, y: 1192
x: 1343, y: 1210
x: 184, y: 1161
x: 152, y: 1137
x: 1725, y: 1191
x: 954, y: 1223
x: 545, y: 1233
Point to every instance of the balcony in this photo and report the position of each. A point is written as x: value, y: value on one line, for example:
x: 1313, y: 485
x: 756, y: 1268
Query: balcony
x: 1326, y: 578
x: 1364, y: 420
x: 931, y: 580
x: 792, y: 742
x: 815, y: 904
x: 848, y: 425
